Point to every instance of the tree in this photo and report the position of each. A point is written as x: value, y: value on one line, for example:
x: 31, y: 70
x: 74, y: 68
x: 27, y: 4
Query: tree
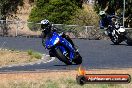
x: 85, y: 16
x: 128, y: 13
x: 79, y: 3
x: 7, y: 7
x: 118, y: 6
x: 57, y: 11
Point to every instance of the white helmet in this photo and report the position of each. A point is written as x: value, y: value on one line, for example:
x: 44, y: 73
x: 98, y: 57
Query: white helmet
x: 44, y: 23
x: 101, y: 13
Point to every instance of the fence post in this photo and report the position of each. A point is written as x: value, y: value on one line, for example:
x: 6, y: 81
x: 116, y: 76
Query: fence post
x: 86, y: 31
x: 16, y: 28
x: 2, y: 27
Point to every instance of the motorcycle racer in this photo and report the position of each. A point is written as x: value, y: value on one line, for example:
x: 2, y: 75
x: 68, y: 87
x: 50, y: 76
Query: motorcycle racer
x: 48, y: 29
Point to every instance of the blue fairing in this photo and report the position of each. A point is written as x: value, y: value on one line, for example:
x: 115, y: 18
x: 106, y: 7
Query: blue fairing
x: 50, y: 41
x: 55, y: 39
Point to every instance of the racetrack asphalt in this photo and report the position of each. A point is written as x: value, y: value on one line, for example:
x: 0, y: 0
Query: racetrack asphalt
x: 97, y: 54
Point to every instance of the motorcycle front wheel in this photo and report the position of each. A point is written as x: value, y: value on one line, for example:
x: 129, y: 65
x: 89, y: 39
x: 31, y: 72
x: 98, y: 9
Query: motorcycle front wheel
x: 115, y: 40
x: 78, y: 59
x: 61, y: 57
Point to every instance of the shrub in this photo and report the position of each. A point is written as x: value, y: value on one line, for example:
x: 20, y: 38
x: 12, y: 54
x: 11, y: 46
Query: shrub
x: 34, y: 54
x: 57, y: 11
x: 86, y: 16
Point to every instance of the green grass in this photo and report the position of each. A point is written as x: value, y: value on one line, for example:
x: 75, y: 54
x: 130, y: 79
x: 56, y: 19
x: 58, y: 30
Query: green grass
x: 71, y: 83
x: 12, y: 56
x: 50, y: 84
x: 34, y: 54
x: 65, y: 83
x: 60, y: 83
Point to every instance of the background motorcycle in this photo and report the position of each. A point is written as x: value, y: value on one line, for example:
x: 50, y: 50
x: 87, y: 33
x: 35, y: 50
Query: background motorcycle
x: 118, y: 33
x: 62, y: 49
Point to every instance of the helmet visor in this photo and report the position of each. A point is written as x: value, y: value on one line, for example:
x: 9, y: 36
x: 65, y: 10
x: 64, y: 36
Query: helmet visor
x: 102, y: 15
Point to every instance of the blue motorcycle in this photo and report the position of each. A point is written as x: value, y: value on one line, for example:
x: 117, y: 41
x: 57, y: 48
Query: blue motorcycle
x: 62, y: 49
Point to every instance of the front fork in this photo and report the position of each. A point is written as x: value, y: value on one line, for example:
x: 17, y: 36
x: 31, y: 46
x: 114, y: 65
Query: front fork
x: 69, y: 54
x: 67, y: 49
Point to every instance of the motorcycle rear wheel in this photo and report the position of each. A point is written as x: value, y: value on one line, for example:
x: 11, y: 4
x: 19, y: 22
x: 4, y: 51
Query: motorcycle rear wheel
x: 61, y: 57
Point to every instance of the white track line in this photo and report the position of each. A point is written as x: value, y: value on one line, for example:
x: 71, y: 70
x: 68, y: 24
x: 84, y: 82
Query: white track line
x: 22, y: 65
x: 53, y: 58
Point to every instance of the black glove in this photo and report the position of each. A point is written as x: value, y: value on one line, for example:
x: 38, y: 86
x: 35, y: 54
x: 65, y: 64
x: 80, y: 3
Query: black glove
x: 43, y: 42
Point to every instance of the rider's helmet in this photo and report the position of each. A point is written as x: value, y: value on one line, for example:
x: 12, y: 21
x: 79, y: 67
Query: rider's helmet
x: 45, y: 23
x: 102, y: 13
x: 46, y: 26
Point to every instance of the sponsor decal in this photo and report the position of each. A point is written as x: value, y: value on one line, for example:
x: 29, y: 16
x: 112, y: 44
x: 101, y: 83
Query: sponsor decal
x: 83, y: 78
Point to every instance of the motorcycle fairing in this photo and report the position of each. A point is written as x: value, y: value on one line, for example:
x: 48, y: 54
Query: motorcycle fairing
x: 54, y: 39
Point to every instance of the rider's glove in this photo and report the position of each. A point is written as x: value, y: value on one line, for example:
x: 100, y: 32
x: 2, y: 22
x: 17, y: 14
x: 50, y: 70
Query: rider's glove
x: 43, y: 43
